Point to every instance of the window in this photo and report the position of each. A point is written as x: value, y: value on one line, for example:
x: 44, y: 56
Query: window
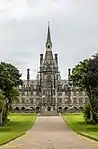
x: 27, y: 93
x: 48, y: 92
x: 23, y: 93
x: 37, y: 86
x: 37, y: 93
x: 80, y: 93
x: 74, y: 93
x: 85, y: 94
x: 17, y: 101
x: 86, y: 99
x: 31, y: 86
x: 43, y: 92
x: 23, y: 100
x: 59, y: 87
x: 80, y: 100
x: 66, y: 100
x: 27, y: 101
x: 53, y: 92
x: 66, y: 93
x: 37, y: 100
x: 74, y: 100
x: 31, y: 93
x: 59, y: 94
x: 31, y: 100
x: 54, y: 101
x: 43, y: 100
x: 60, y: 100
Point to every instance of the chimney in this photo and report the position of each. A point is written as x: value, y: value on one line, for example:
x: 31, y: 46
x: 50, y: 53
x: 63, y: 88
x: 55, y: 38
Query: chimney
x: 28, y: 74
x: 56, y: 58
x: 41, y: 58
x: 69, y: 74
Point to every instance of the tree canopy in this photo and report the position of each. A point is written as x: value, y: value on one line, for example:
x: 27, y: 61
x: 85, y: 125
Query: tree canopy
x: 85, y: 76
x: 10, y: 79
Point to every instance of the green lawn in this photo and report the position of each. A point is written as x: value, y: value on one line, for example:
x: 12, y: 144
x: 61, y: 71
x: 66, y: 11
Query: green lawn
x: 76, y: 122
x: 18, y: 125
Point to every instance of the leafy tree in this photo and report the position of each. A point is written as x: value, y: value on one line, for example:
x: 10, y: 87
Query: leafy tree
x: 14, y: 95
x: 9, y: 81
x: 79, y: 74
x: 2, y: 97
x: 82, y: 77
x: 93, y: 81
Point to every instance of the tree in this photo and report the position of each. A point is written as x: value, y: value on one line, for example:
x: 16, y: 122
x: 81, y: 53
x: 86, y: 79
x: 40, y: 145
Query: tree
x: 14, y: 95
x: 81, y: 77
x: 93, y: 81
x: 9, y: 81
x: 79, y: 74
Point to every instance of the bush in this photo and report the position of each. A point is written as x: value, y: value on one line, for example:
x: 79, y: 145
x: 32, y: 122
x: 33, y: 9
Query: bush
x: 87, y: 115
x: 86, y: 112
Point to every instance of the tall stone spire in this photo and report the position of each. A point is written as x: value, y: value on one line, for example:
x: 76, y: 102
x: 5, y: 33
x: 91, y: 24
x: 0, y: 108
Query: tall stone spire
x: 48, y: 34
x: 48, y: 42
x: 48, y: 52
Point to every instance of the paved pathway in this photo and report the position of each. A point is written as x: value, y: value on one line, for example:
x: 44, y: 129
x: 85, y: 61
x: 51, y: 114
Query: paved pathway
x: 51, y: 133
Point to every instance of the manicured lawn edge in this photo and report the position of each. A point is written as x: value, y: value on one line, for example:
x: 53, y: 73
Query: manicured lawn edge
x: 87, y: 136
x: 82, y: 134
x: 7, y: 141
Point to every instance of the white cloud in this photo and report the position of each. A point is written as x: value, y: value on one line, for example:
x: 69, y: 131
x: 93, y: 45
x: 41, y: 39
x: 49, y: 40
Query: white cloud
x: 22, y: 8
x: 23, y: 27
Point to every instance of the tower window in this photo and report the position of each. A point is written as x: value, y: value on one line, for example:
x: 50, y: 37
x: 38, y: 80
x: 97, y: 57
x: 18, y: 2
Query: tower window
x: 48, y: 46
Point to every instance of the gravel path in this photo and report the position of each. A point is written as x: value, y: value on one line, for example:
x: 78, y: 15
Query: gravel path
x: 51, y: 133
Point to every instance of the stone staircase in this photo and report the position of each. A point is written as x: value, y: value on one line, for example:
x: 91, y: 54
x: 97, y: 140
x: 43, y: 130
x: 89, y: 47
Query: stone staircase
x: 49, y: 113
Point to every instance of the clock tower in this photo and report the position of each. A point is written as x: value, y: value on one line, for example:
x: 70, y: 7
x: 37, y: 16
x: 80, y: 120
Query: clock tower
x: 48, y: 76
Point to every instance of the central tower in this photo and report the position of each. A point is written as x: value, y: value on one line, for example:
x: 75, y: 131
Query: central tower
x: 48, y: 76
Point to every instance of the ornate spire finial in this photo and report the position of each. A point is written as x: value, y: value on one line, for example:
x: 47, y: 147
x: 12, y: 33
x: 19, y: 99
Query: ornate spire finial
x: 48, y: 23
x: 48, y: 43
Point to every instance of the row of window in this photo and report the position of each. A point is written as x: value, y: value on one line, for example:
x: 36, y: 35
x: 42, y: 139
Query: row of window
x: 80, y: 93
x: 50, y: 93
x: 75, y: 100
x: 30, y: 93
x: 31, y: 86
x: 59, y: 100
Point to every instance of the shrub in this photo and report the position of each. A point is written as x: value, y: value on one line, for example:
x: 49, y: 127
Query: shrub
x: 86, y: 112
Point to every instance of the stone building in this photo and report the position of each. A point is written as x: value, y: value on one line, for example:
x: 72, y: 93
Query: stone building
x: 48, y: 91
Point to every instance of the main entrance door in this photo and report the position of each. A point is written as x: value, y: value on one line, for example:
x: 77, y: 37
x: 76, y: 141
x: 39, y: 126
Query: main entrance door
x: 48, y: 108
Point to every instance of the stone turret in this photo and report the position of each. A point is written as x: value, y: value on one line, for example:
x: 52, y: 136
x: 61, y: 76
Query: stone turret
x: 56, y: 58
x: 41, y: 59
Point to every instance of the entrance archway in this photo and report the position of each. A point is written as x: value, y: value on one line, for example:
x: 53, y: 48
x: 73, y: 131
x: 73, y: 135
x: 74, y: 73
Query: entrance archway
x: 48, y: 108
x: 23, y: 108
x: 65, y: 109
x: 17, y: 109
x: 54, y: 108
x: 37, y: 109
x: 80, y: 109
x: 32, y: 108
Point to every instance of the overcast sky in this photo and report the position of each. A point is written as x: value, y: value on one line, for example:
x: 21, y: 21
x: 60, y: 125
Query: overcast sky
x: 23, y: 30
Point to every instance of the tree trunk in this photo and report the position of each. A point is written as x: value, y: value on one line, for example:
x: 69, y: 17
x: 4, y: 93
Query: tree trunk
x: 91, y: 116
x: 1, y: 118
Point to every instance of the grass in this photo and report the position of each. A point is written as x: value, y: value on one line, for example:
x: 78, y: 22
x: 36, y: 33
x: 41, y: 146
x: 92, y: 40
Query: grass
x: 76, y: 122
x: 18, y: 125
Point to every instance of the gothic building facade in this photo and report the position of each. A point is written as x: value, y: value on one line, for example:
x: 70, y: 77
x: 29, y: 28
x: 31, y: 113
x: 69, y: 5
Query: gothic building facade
x: 48, y: 91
